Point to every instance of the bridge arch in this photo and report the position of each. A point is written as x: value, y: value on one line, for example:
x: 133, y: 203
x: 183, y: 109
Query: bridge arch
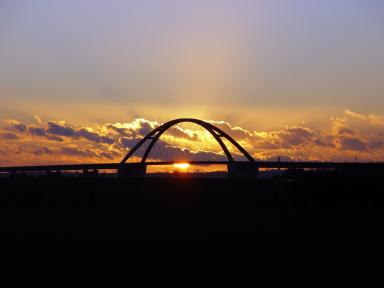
x: 216, y: 132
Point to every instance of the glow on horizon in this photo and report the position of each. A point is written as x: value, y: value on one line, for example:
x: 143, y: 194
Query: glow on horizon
x: 182, y: 166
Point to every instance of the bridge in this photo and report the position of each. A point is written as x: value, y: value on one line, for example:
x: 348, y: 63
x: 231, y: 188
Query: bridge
x: 248, y: 168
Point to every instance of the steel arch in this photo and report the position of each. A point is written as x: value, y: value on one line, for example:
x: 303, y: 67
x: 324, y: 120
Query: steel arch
x: 217, y: 133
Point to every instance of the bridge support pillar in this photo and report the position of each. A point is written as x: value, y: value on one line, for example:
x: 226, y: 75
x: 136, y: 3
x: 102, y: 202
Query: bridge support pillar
x: 242, y: 170
x: 132, y: 170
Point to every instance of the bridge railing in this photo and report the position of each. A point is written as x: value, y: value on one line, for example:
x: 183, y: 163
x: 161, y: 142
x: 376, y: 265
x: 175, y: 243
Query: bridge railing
x: 139, y: 169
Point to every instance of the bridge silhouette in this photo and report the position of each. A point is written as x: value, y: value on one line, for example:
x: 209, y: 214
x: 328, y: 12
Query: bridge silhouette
x: 248, y: 168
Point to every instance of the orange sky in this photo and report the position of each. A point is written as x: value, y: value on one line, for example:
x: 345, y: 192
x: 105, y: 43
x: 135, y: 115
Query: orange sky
x: 42, y: 141
x: 301, y: 79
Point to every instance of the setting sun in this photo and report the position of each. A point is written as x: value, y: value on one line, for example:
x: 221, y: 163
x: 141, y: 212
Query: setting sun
x: 182, y: 166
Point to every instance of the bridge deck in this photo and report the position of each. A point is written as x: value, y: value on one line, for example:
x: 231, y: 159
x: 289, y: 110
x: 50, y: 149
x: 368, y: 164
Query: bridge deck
x: 258, y: 164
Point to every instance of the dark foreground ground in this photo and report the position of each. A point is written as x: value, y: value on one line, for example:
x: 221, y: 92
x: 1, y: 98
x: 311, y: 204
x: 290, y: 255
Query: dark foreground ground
x: 313, y: 230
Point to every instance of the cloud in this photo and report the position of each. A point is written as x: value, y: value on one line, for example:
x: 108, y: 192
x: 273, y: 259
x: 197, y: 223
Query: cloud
x: 38, y: 119
x: 338, y: 126
x: 266, y: 144
x: 60, y: 129
x: 37, y: 131
x: 371, y: 119
x: 74, y: 151
x: 120, y: 131
x: 39, y: 151
x: 376, y: 119
x: 38, y: 141
x: 295, y: 136
x: 93, y: 136
x: 164, y: 151
x: 54, y: 131
x: 179, y: 132
x: 107, y: 155
x: 345, y: 131
x: 234, y: 131
x: 128, y: 142
x: 354, y: 144
x: 137, y: 127
x: 9, y: 135
x: 376, y: 144
x: 86, y: 153
x: 14, y: 125
x: 285, y: 138
x: 41, y: 132
x: 324, y: 142
x: 354, y: 114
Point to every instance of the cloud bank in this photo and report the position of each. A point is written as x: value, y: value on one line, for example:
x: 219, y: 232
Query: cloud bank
x: 346, y: 136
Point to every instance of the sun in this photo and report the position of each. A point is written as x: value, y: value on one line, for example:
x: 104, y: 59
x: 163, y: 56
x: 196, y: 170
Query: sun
x: 181, y: 166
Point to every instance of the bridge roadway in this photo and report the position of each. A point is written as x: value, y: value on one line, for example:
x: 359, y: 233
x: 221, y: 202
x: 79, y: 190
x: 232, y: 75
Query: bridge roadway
x: 258, y: 164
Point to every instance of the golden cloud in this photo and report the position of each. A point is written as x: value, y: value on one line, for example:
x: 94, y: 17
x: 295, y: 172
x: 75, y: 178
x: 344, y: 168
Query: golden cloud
x: 43, y: 142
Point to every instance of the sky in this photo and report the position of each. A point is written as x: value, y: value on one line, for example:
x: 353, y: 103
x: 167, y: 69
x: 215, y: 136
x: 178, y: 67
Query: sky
x: 303, y: 79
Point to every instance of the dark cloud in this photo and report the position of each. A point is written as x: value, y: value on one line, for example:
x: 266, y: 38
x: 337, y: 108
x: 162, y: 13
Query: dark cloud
x: 41, y: 132
x: 294, y: 136
x: 118, y: 130
x: 354, y: 144
x: 128, y: 142
x: 20, y: 127
x: 39, y: 151
x: 71, y: 132
x: 37, y: 131
x: 55, y: 138
x: 9, y: 135
x: 145, y: 127
x: 73, y: 151
x: 289, y: 137
x: 93, y: 136
x: 327, y: 142
x: 60, y: 130
x: 376, y: 144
